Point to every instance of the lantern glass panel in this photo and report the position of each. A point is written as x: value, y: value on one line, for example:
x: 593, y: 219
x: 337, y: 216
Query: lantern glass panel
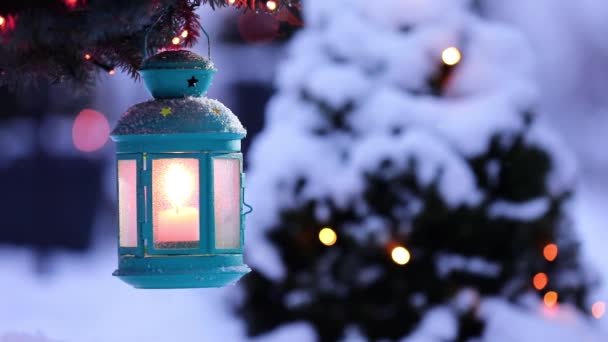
x: 127, y: 203
x: 227, y: 202
x: 175, y: 203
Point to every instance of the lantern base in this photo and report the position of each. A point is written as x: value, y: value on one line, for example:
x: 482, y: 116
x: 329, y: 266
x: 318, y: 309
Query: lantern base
x: 181, y: 272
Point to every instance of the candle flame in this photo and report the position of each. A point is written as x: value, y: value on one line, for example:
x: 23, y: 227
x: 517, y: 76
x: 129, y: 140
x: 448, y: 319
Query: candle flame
x: 178, y: 185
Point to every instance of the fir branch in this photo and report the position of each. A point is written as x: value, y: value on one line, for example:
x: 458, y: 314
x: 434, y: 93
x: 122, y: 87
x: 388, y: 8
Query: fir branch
x: 48, y: 39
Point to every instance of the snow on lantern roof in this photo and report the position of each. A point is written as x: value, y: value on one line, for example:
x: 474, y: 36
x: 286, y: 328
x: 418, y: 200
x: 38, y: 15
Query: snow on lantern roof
x: 178, y: 59
x: 179, y: 115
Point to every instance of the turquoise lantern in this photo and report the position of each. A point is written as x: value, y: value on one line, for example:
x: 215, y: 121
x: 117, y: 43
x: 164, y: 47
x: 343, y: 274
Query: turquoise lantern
x: 180, y: 181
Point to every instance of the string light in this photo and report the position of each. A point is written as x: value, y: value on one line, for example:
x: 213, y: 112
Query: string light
x: 87, y: 56
x: 400, y: 255
x: 598, y: 309
x: 175, y: 40
x: 540, y: 280
x: 451, y: 56
x: 184, y: 34
x: 271, y: 5
x: 550, y: 299
x: 327, y: 236
x: 2, y: 21
x: 550, y: 252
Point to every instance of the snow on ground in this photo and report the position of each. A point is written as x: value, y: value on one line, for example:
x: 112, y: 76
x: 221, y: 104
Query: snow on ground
x: 78, y: 300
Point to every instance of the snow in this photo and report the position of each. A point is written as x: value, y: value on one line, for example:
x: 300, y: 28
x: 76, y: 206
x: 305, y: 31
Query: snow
x: 337, y: 85
x: 168, y: 59
x: 80, y: 301
x: 562, y: 325
x: 24, y: 337
x: 434, y: 160
x: 447, y: 263
x: 439, y: 324
x: 528, y: 211
x: 188, y: 114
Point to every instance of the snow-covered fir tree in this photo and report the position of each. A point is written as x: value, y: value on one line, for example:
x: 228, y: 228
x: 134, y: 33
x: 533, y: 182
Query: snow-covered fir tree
x: 405, y: 124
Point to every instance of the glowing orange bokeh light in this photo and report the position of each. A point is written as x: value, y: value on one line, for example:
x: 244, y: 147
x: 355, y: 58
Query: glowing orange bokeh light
x: 231, y: 2
x: 90, y: 130
x: 540, y: 280
x: 550, y: 299
x: 550, y: 252
x: 2, y: 20
x: 175, y: 40
x: 184, y: 34
x: 112, y: 72
x: 598, y: 309
x: 87, y: 56
x: 271, y: 5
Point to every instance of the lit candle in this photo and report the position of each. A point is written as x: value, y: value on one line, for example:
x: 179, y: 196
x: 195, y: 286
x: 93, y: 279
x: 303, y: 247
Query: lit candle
x: 179, y: 224
x: 177, y: 219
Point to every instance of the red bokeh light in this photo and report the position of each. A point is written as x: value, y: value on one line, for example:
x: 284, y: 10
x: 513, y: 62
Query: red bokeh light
x: 90, y: 131
x: 598, y: 309
x: 550, y: 252
x: 7, y: 23
x: 540, y: 280
x: 71, y: 4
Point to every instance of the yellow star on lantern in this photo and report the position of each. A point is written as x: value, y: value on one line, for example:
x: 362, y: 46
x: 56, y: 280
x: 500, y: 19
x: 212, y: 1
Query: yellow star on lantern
x: 216, y: 111
x: 166, y: 111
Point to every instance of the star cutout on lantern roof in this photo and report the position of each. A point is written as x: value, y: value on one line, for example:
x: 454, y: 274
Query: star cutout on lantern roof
x: 216, y: 111
x: 166, y: 111
x: 192, y: 82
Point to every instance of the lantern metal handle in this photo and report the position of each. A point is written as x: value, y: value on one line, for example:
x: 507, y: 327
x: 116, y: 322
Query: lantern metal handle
x: 156, y: 22
x: 248, y: 207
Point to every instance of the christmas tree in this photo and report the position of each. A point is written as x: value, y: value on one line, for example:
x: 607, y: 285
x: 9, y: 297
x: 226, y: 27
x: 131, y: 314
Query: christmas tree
x: 402, y: 178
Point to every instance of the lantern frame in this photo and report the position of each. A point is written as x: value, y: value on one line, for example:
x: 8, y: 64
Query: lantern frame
x: 145, y: 210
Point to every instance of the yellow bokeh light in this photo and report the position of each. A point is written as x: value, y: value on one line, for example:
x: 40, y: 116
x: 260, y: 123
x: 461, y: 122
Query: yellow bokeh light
x: 175, y: 40
x: 178, y: 185
x: 231, y: 2
x: 112, y: 72
x: 271, y: 5
x: 184, y: 34
x: 550, y: 299
x: 2, y: 20
x: 451, y: 56
x: 328, y: 237
x: 400, y: 255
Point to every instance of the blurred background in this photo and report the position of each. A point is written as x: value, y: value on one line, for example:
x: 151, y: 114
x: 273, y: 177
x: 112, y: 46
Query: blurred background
x: 58, y: 174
